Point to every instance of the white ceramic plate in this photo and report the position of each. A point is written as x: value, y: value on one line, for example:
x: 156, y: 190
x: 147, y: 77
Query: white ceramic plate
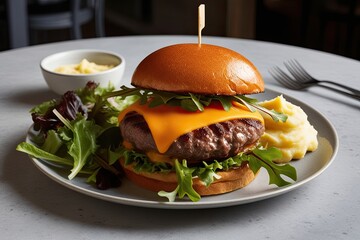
x: 307, y: 169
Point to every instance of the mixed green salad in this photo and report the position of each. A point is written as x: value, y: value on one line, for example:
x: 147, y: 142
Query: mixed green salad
x: 80, y: 131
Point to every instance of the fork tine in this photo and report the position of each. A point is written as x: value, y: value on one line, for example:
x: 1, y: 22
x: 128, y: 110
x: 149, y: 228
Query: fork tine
x: 293, y: 70
x: 283, y: 78
x: 298, y: 71
x: 282, y: 74
x: 278, y: 74
x: 304, y: 72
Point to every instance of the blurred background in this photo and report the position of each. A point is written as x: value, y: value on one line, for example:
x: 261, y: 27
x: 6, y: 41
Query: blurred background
x: 327, y: 25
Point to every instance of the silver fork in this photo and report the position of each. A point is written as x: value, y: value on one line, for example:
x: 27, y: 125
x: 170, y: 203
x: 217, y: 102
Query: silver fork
x: 298, y: 83
x: 301, y: 75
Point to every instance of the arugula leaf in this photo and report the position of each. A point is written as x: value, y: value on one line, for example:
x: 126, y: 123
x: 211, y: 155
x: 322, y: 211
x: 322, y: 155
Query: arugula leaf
x: 265, y: 158
x: 245, y: 102
x: 225, y: 102
x: 208, y: 173
x: 193, y: 102
x: 190, y: 105
x: 184, y: 176
x: 276, y: 116
x: 196, y: 101
x: 164, y: 96
x: 171, y: 196
x: 252, y: 105
x: 124, y: 92
x: 156, y: 101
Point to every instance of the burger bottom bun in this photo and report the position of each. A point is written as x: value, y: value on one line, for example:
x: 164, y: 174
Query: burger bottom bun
x: 231, y: 180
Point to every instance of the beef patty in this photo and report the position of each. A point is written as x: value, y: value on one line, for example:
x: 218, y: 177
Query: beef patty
x: 216, y: 141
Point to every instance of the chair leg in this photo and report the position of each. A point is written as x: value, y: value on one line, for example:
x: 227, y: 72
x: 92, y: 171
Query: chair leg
x: 99, y: 18
x: 76, y: 27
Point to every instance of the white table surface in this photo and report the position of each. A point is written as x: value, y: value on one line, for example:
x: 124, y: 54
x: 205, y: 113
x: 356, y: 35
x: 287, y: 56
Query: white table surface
x: 34, y: 207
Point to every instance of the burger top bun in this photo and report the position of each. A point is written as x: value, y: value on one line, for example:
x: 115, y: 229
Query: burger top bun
x: 202, y: 69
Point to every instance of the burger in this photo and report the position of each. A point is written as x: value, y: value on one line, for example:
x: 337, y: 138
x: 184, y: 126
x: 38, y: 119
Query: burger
x: 193, y: 131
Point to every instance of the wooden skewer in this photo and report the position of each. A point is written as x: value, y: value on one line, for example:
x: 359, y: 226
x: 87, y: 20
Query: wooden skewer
x: 201, y: 21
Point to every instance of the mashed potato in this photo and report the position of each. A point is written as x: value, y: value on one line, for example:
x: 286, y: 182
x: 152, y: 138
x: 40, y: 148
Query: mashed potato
x: 294, y: 137
x: 84, y: 67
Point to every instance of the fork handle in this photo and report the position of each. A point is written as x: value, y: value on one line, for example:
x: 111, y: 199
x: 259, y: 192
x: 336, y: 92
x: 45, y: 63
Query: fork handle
x: 353, y: 90
x: 354, y: 96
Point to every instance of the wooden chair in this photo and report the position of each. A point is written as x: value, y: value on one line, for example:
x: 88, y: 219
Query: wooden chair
x: 62, y: 14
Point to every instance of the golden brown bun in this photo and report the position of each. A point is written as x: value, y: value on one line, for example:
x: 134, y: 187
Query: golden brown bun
x: 230, y: 180
x: 203, y: 69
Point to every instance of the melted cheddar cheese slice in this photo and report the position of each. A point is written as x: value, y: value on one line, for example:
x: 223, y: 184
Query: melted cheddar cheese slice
x: 167, y: 123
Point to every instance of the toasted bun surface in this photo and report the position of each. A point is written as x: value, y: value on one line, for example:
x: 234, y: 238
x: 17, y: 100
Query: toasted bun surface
x: 202, y: 69
x: 230, y: 180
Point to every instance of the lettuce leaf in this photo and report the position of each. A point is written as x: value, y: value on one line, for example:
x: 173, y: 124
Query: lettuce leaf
x: 142, y: 163
x: 43, y: 108
x: 37, y: 152
x: 208, y: 172
x: 83, y: 143
x: 75, y: 136
x: 52, y: 142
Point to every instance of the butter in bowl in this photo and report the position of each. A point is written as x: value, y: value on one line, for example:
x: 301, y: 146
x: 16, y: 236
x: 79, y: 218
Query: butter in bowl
x: 71, y: 70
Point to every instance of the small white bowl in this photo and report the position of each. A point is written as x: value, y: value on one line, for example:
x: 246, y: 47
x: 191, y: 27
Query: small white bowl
x: 61, y: 82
